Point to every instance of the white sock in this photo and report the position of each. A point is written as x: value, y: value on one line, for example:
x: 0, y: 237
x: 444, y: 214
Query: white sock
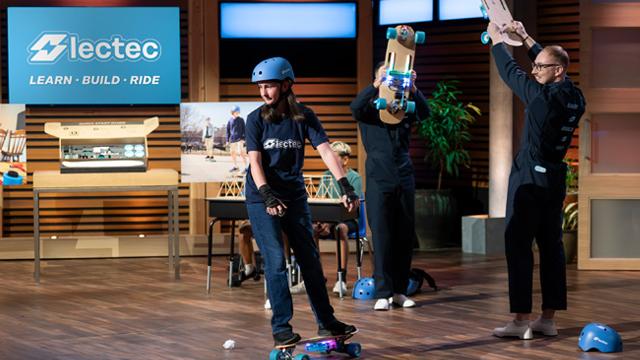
x: 248, y: 269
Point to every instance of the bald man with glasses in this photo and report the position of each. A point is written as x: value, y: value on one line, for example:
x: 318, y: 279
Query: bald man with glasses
x: 537, y: 189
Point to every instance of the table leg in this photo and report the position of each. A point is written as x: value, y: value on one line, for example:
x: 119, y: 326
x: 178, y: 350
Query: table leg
x: 210, y: 250
x: 232, y: 251
x: 36, y: 235
x: 176, y: 233
x: 170, y: 229
x: 339, y: 256
x: 359, y: 251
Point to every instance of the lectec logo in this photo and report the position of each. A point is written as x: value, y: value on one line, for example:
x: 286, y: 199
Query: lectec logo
x: 50, y: 46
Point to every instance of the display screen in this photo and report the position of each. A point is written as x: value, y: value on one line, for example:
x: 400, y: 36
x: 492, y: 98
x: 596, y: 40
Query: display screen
x: 459, y: 9
x: 405, y: 11
x: 94, y: 55
x: 287, y: 20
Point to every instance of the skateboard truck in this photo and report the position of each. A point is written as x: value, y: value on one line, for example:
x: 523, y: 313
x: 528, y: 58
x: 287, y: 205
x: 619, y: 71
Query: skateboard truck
x: 497, y: 12
x: 419, y: 37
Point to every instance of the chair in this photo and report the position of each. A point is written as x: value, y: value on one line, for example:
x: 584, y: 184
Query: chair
x: 15, y: 145
x: 361, y: 239
x: 3, y: 136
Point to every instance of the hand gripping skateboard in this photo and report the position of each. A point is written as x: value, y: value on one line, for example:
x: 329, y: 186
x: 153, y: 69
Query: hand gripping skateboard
x: 321, y: 344
x: 393, y: 95
x: 498, y: 13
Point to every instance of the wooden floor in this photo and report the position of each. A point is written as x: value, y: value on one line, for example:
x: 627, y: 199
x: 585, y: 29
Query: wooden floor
x: 133, y: 309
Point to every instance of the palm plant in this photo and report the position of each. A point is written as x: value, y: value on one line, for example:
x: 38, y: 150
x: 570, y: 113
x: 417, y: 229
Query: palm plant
x: 446, y: 130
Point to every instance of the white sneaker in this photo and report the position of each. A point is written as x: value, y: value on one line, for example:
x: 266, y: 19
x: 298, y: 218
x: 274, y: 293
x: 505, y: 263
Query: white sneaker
x: 267, y: 305
x: 403, y: 300
x: 298, y: 288
x: 338, y: 286
x: 521, y: 329
x: 546, y: 327
x: 381, y: 304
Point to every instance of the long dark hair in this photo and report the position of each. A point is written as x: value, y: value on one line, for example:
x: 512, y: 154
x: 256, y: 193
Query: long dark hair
x: 293, y: 108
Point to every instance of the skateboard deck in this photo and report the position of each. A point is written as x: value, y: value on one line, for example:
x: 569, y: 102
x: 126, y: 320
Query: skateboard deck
x: 320, y: 344
x: 393, y: 102
x: 498, y: 12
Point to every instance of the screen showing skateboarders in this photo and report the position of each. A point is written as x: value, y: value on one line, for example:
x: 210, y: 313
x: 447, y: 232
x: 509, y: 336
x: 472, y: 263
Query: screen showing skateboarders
x: 236, y: 140
x: 537, y: 186
x: 213, y: 140
x: 276, y: 196
x: 390, y: 182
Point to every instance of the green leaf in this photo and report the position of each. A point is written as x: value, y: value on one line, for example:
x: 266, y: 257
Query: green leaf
x: 446, y: 130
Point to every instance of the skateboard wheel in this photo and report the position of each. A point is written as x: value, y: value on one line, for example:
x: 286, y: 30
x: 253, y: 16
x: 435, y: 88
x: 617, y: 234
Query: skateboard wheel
x: 302, y: 357
x: 392, y: 33
x: 381, y: 103
x: 484, y: 12
x: 411, y: 107
x: 420, y: 37
x: 274, y: 355
x: 485, y: 38
x: 354, y: 349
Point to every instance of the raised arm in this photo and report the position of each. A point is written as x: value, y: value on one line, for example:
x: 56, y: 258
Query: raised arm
x: 512, y: 74
x: 518, y: 28
x: 362, y: 106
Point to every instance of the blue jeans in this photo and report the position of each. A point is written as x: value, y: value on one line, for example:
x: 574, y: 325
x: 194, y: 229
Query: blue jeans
x: 296, y: 224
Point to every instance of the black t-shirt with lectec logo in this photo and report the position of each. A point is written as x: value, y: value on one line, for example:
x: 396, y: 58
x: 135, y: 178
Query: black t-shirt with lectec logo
x: 281, y: 144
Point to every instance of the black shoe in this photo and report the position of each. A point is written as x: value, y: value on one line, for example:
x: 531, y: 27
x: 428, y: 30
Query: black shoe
x: 336, y: 328
x: 255, y: 275
x: 287, y: 337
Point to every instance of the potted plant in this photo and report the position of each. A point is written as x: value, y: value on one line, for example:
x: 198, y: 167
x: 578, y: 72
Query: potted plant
x: 570, y: 231
x: 570, y: 213
x: 446, y: 132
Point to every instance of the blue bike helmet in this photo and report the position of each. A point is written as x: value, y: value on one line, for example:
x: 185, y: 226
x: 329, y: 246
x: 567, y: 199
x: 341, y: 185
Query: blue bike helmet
x: 12, y: 177
x: 599, y: 337
x: 235, y: 108
x: 364, y: 289
x: 276, y: 68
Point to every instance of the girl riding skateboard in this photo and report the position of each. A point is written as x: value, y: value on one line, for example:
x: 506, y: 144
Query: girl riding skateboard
x: 277, y: 199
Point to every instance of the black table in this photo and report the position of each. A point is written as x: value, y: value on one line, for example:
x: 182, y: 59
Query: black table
x: 233, y: 208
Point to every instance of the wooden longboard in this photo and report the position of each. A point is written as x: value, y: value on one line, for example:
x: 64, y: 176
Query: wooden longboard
x: 498, y: 13
x: 396, y: 87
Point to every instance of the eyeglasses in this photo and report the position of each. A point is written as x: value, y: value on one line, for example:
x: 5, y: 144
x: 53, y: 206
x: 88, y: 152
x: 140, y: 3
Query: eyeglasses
x: 538, y: 67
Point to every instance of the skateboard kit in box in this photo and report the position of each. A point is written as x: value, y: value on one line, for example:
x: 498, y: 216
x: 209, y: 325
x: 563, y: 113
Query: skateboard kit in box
x: 103, y: 146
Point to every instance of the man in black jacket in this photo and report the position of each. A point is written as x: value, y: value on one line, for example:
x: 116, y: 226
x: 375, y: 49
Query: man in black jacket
x: 390, y: 191
x: 536, y: 192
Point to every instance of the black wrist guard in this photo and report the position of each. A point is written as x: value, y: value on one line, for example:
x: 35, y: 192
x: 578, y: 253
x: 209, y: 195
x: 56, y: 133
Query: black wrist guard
x: 347, y: 189
x: 269, y: 197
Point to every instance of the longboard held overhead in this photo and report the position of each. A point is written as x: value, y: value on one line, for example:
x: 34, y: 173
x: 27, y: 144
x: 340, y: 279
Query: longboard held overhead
x: 393, y: 99
x: 498, y: 13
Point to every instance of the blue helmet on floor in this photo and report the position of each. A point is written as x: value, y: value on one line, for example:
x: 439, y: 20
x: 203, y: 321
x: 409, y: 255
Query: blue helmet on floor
x: 364, y: 289
x: 599, y: 337
x: 276, y: 68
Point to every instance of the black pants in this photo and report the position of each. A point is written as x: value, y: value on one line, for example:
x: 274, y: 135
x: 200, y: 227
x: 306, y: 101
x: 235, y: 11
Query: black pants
x: 535, y: 212
x: 391, y: 216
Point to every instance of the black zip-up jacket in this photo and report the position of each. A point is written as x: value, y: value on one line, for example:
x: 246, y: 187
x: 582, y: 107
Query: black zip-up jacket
x: 387, y: 146
x: 552, y: 113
